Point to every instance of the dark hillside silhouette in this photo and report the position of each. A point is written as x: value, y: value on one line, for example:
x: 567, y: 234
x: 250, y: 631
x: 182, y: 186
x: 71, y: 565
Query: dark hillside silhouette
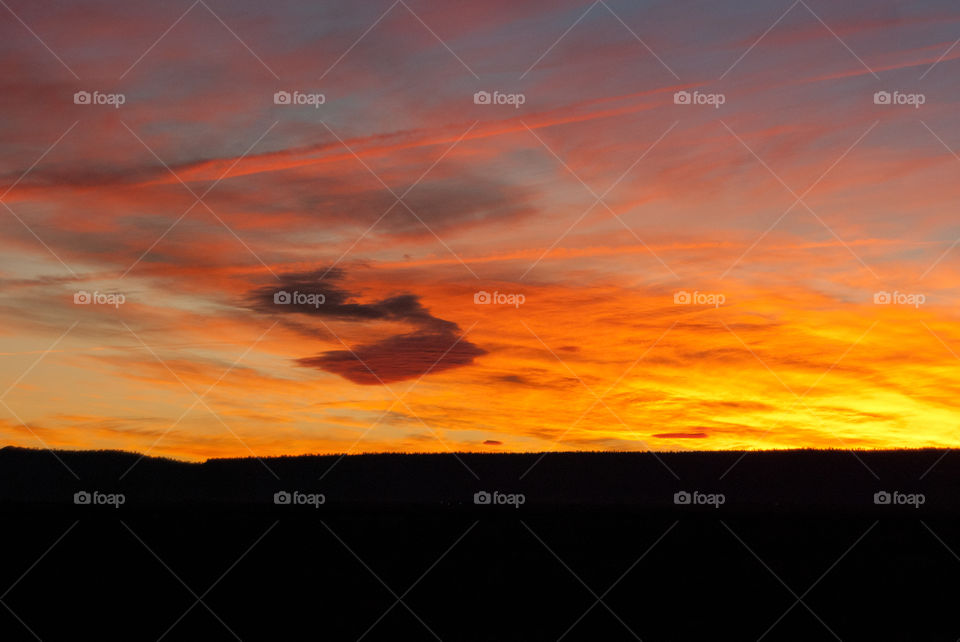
x: 590, y: 525
x: 771, y: 480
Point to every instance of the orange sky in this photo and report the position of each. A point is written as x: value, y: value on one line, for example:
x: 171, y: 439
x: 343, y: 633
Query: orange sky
x: 788, y: 215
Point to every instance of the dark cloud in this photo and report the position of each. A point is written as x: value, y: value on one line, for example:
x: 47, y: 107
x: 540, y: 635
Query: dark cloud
x: 340, y: 304
x: 492, y: 442
x: 345, y: 205
x: 434, y: 346
x: 400, y: 357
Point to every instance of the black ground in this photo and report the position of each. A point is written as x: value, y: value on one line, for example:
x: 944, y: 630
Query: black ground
x: 799, y: 550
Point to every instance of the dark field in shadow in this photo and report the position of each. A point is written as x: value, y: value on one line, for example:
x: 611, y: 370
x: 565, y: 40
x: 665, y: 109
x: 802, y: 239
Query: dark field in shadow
x: 795, y: 524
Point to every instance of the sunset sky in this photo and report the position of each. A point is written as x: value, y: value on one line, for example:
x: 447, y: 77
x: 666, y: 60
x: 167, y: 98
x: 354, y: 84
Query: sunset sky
x: 635, y: 155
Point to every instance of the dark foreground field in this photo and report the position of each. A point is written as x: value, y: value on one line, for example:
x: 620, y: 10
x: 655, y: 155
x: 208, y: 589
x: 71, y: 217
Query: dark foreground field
x: 799, y: 545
